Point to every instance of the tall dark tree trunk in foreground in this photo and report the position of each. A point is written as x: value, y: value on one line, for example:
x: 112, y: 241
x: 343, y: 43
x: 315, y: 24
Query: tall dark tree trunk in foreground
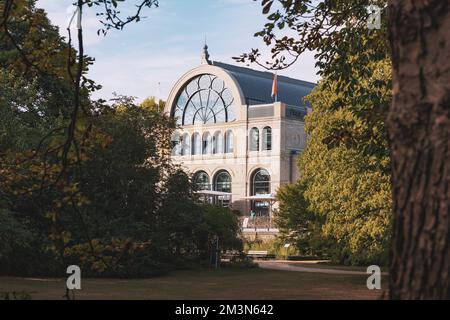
x: 419, y: 131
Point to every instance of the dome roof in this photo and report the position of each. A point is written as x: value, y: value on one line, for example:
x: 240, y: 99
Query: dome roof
x: 192, y: 100
x: 256, y: 86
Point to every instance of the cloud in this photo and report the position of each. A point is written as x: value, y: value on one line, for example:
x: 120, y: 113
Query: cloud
x: 138, y: 75
x: 168, y: 43
x: 59, y: 13
x: 236, y: 2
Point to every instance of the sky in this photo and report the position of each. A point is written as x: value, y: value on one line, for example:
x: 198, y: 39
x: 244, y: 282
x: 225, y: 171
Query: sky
x: 168, y: 42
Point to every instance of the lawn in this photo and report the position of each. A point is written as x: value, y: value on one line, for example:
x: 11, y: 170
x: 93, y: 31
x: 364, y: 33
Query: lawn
x: 225, y: 284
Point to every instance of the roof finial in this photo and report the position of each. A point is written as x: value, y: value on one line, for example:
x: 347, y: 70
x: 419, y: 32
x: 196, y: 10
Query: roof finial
x: 205, y: 54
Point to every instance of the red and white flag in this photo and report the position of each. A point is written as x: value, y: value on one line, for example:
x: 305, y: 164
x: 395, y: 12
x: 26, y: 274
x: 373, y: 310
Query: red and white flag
x: 275, y: 87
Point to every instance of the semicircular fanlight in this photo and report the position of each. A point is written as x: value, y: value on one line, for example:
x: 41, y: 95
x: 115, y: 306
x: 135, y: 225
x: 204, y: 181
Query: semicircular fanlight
x: 204, y: 100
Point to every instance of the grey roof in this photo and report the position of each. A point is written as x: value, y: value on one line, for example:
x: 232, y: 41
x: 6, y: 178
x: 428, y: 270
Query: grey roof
x: 257, y: 86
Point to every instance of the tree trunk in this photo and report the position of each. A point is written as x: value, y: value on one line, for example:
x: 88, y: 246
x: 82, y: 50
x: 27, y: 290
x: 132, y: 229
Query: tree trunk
x: 419, y: 132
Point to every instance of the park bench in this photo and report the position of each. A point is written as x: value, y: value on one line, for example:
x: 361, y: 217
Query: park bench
x: 262, y: 254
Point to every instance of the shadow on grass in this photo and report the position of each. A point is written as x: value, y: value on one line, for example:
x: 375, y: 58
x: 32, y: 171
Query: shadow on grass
x: 232, y: 283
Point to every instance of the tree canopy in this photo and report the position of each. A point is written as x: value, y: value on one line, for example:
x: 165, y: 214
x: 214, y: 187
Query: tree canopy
x: 343, y: 197
x: 89, y: 182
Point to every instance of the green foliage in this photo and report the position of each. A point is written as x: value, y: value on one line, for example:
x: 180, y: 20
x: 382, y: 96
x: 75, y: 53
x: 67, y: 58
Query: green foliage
x: 100, y: 192
x: 342, y: 204
x: 273, y: 247
x: 139, y: 210
x: 22, y: 248
x: 296, y: 221
x: 351, y: 194
x: 17, y: 129
x: 276, y: 247
x: 219, y: 222
x: 15, y: 241
x: 329, y: 28
x: 298, y: 225
x: 22, y: 295
x: 151, y: 103
x: 33, y: 48
x: 128, y: 212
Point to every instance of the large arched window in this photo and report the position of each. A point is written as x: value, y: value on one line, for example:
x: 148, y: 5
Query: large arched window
x: 186, y: 145
x: 207, y: 143
x: 260, y: 185
x: 267, y: 138
x: 222, y: 182
x: 217, y: 143
x: 201, y: 181
x: 205, y: 99
x: 254, y: 139
x: 229, y: 142
x: 196, y: 144
x: 260, y: 182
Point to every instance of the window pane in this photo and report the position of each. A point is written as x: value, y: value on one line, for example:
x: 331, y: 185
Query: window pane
x: 223, y: 182
x: 207, y: 145
x: 261, y: 186
x: 254, y: 139
x: 186, y: 145
x: 267, y: 138
x: 205, y: 99
x: 196, y: 144
x: 261, y: 182
x: 218, y: 143
x: 201, y: 181
x: 229, y: 147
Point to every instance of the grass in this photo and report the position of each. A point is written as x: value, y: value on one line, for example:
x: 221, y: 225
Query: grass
x: 232, y: 283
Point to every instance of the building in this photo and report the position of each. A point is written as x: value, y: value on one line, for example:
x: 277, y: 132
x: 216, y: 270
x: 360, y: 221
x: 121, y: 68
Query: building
x: 238, y: 141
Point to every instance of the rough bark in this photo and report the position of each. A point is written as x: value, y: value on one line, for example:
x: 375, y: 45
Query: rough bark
x: 419, y: 132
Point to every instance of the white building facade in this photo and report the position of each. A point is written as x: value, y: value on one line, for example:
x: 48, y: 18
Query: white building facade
x: 233, y: 137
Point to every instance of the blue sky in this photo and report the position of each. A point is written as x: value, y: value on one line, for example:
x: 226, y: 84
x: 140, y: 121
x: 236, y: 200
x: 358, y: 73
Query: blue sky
x: 168, y: 42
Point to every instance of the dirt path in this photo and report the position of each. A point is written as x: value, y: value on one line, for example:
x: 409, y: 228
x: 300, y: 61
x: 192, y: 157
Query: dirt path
x: 287, y: 266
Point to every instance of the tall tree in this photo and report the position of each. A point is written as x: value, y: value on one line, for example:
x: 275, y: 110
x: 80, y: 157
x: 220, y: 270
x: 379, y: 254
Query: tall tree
x: 419, y: 130
x: 418, y: 121
x: 37, y: 176
x: 118, y: 206
x: 347, y: 184
x: 345, y: 166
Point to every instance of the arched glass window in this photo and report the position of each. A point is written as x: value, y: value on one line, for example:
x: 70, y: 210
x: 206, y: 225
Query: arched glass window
x: 196, y: 144
x: 267, y: 138
x: 204, y: 99
x: 254, y: 139
x: 186, y: 145
x: 207, y: 143
x: 222, y: 182
x: 260, y: 182
x: 201, y: 181
x: 229, y: 142
x: 260, y: 185
x: 218, y: 143
x: 176, y: 142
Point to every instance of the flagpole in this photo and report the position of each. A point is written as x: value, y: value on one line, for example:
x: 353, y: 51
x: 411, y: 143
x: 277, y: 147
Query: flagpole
x: 275, y: 87
x: 276, y: 92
